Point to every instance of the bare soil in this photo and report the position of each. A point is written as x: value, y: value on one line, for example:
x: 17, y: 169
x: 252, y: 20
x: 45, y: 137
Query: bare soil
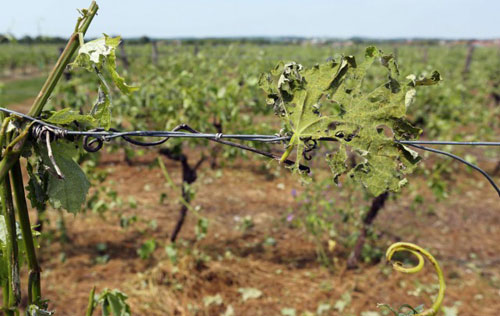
x: 462, y: 232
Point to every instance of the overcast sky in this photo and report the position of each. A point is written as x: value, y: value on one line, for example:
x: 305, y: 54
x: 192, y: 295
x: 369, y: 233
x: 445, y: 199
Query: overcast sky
x: 222, y: 18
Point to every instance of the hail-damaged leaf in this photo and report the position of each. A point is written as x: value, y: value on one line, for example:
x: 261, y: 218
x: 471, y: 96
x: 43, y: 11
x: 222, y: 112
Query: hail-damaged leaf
x: 98, y: 56
x: 37, y: 187
x: 337, y: 163
x: 331, y: 101
x: 435, y: 78
x: 68, y: 193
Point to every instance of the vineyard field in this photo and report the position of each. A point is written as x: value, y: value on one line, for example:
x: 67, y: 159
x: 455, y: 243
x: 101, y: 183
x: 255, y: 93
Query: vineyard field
x: 196, y: 227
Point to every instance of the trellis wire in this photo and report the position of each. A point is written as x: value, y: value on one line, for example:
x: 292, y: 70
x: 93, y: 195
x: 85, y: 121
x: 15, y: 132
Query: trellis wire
x: 109, y: 135
x: 42, y: 128
x: 484, y: 173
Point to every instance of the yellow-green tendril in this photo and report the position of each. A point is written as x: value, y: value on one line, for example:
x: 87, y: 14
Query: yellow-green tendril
x: 420, y: 253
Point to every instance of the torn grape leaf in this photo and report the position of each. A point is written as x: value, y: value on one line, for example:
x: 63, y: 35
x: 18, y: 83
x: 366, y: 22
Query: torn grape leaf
x: 330, y: 101
x: 69, y: 193
x: 96, y: 56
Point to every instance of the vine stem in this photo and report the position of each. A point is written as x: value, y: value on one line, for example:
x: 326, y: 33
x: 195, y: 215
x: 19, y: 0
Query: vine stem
x: 5, y: 296
x: 13, y: 290
x: 420, y: 253
x: 41, y: 100
x: 34, y: 287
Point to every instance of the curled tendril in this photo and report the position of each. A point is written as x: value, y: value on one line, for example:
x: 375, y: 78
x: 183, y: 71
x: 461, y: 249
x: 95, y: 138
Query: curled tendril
x: 420, y: 253
x: 310, y: 145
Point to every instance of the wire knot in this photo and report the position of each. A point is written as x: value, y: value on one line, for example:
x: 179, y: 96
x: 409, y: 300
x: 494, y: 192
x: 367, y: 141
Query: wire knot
x: 48, y: 134
x: 40, y: 132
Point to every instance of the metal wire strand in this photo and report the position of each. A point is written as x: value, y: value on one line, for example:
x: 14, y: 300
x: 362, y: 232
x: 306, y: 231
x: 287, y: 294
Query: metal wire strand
x: 95, y: 138
x: 102, y: 135
x: 441, y: 152
x: 440, y: 142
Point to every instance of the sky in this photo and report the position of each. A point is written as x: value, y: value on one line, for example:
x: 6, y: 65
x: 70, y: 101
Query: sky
x: 384, y: 19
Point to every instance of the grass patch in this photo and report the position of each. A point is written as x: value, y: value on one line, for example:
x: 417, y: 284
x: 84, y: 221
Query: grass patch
x: 20, y: 90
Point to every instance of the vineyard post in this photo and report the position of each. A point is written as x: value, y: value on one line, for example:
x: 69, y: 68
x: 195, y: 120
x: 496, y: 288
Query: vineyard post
x: 426, y: 54
x: 468, y: 59
x: 214, y: 153
x: 123, y: 55
x: 154, y: 52
x: 196, y: 49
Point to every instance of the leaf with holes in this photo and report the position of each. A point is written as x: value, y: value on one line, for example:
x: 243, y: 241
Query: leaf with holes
x: 330, y: 101
x: 96, y: 56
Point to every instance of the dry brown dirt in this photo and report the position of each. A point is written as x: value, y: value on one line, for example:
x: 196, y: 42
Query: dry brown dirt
x: 462, y: 232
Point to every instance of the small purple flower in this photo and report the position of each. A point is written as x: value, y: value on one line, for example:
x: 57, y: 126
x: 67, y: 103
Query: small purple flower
x: 294, y: 193
x: 290, y: 217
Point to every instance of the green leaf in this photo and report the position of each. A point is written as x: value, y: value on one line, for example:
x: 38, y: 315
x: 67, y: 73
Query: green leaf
x: 67, y: 116
x: 68, y: 193
x: 331, y: 101
x: 114, y: 303
x: 146, y: 249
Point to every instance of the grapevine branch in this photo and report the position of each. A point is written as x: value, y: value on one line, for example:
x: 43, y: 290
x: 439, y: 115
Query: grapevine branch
x: 94, y: 140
